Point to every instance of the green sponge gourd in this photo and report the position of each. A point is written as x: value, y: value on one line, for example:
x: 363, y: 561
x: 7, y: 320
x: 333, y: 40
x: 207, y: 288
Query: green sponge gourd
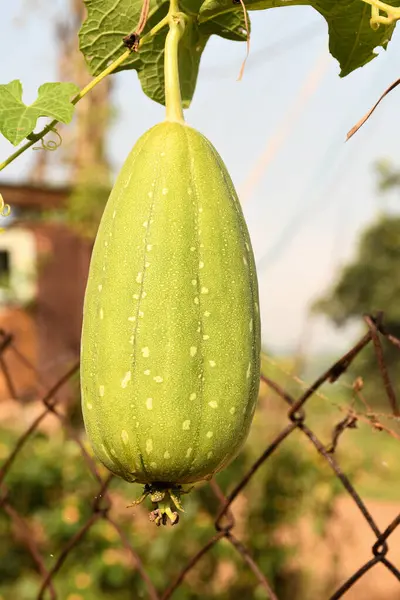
x: 171, y: 331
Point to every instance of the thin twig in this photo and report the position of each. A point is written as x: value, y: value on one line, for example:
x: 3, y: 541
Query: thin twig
x: 365, y: 118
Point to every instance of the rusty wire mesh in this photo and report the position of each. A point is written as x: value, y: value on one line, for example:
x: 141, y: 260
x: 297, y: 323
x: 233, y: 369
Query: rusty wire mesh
x: 224, y: 521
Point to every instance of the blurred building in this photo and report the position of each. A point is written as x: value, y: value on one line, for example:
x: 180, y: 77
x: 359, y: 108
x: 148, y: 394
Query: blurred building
x: 43, y: 270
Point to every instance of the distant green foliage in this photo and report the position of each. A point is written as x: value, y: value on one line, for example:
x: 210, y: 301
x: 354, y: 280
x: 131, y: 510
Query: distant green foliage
x: 85, y: 207
x: 371, y: 281
x: 51, y: 487
x: 368, y: 284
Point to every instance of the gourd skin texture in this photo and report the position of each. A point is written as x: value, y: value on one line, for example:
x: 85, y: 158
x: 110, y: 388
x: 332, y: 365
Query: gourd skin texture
x: 171, y: 333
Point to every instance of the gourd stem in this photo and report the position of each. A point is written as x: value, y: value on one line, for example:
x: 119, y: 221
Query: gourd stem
x: 173, y: 99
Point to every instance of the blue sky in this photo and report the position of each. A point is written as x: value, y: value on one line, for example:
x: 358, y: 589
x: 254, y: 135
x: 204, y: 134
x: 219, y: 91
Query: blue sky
x: 305, y: 206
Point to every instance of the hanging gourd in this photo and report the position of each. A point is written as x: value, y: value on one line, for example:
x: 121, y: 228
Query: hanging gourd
x: 171, y: 330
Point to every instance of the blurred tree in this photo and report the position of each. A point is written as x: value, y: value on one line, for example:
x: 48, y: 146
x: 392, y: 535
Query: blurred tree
x: 84, y: 145
x: 371, y: 283
x: 83, y: 151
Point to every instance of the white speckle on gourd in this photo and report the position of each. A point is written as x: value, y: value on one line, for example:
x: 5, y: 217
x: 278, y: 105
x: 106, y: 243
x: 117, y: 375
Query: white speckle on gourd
x: 251, y: 325
x: 150, y: 194
x: 213, y: 404
x: 212, y: 363
x: 167, y: 455
x: 248, y: 371
x: 146, y: 264
x: 112, y: 451
x: 164, y: 191
x: 192, y: 248
x: 149, y: 446
x: 101, y: 390
x: 136, y: 296
x: 196, y: 300
x: 153, y: 465
x: 186, y: 424
x: 201, y: 264
x: 200, y: 209
x: 193, y: 351
x: 232, y: 410
x: 207, y: 313
x: 194, y: 281
x: 132, y: 319
x: 146, y: 372
x: 100, y: 287
x: 145, y: 352
x: 189, y: 191
x: 158, y: 379
x: 149, y: 403
x: 206, y: 337
x: 245, y: 261
x: 145, y: 224
x: 204, y: 290
x: 101, y: 313
x: 126, y: 379
x: 149, y: 247
x: 139, y: 277
x: 189, y: 452
x: 125, y: 437
x: 209, y: 434
x: 141, y: 314
x: 114, y: 213
x: 89, y: 405
x: 209, y: 454
x: 193, y: 396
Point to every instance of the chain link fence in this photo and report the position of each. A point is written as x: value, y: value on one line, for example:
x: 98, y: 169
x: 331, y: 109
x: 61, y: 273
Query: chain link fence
x: 224, y: 522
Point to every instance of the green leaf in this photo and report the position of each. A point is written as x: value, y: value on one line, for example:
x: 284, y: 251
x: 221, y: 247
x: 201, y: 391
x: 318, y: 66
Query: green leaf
x: 17, y: 120
x: 108, y: 21
x: 351, y: 39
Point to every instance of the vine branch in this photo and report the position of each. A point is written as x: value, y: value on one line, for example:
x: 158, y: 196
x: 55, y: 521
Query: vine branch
x: 35, y: 137
x: 392, y: 12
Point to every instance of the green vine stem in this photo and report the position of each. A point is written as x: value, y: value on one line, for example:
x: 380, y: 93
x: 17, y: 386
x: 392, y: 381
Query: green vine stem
x: 173, y: 99
x: 392, y: 12
x: 35, y: 137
